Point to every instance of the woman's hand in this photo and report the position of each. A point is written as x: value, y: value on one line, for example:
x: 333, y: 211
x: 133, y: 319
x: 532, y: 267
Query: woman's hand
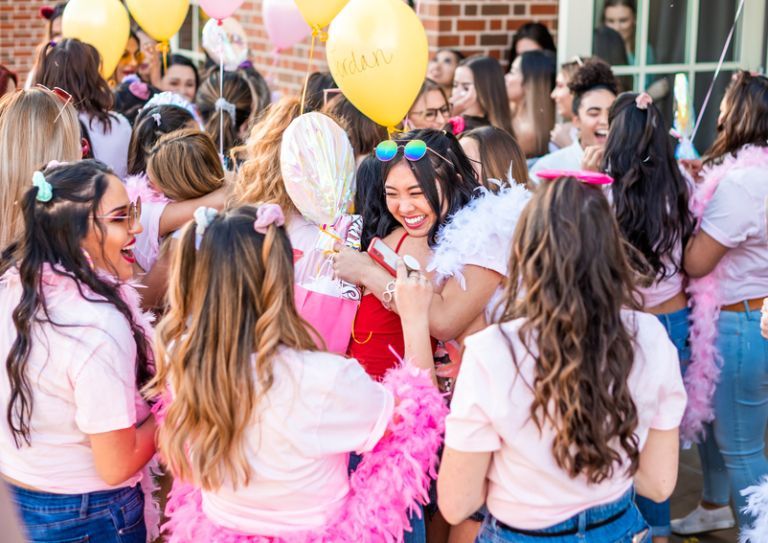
x: 561, y: 135
x: 693, y: 167
x: 593, y: 158
x: 764, y: 319
x: 413, y: 295
x: 351, y: 265
x: 464, y: 102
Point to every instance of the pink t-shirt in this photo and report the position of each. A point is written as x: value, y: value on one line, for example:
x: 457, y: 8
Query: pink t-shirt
x: 667, y: 288
x: 490, y: 412
x: 83, y: 382
x: 735, y: 218
x: 320, y: 407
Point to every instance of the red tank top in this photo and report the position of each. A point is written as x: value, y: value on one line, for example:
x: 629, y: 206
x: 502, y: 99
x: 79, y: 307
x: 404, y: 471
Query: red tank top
x: 375, y: 330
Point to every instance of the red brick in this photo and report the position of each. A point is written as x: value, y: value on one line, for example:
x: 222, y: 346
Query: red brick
x: 545, y: 9
x: 495, y: 9
x: 476, y: 24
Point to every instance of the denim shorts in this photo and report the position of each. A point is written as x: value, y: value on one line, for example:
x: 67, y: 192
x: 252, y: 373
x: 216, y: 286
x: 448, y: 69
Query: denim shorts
x: 615, y: 522
x: 109, y: 516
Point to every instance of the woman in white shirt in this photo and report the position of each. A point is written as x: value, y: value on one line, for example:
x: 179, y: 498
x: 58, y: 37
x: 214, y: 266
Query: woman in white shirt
x: 574, y: 390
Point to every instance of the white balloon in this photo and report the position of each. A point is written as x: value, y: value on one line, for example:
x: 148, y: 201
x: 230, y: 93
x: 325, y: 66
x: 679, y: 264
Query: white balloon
x: 225, y: 42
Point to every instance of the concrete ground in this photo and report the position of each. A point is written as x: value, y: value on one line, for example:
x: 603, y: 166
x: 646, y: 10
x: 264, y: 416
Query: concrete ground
x: 687, y: 495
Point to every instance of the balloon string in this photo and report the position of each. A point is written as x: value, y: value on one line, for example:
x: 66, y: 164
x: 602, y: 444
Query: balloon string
x: 315, y: 32
x: 221, y: 113
x: 163, y: 48
x: 717, y: 71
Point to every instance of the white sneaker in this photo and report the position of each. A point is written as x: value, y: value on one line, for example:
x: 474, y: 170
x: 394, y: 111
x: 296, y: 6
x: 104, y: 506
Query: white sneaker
x: 702, y: 520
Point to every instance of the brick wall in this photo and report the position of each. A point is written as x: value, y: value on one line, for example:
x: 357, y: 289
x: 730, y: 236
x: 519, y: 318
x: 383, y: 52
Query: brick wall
x: 472, y: 26
x: 20, y: 32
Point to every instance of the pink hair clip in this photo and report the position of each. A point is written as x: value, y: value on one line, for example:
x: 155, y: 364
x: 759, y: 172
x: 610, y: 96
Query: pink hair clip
x: 643, y: 100
x: 266, y: 215
x: 590, y: 178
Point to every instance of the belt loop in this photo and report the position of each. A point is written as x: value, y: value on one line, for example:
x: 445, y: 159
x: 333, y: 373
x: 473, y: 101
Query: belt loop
x: 746, y: 308
x: 582, y: 523
x: 84, y: 506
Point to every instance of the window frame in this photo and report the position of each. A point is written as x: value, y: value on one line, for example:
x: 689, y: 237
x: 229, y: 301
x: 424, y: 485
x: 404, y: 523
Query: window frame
x: 196, y: 54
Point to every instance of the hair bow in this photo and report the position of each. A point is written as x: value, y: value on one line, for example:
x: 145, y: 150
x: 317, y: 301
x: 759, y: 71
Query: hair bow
x: 44, y: 188
x: 266, y: 215
x: 203, y: 218
x: 139, y: 89
x: 643, y: 100
x: 590, y: 178
x: 158, y: 118
x: 223, y: 105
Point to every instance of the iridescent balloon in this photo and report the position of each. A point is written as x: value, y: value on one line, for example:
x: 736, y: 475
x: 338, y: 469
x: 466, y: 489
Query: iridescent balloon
x: 226, y: 42
x: 318, y: 167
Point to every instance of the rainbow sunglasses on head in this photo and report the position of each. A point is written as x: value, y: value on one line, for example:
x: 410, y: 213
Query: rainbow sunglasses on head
x: 590, y: 178
x: 413, y: 150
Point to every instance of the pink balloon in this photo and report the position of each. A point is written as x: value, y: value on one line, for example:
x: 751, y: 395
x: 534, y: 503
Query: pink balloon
x: 220, y: 9
x: 284, y: 24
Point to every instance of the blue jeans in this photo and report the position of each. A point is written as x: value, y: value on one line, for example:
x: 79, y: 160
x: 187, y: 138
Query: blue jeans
x: 741, y: 409
x: 657, y: 514
x: 418, y: 533
x: 622, y: 529
x: 111, y: 516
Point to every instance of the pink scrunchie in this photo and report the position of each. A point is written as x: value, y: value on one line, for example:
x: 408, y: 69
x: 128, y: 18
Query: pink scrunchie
x: 266, y: 215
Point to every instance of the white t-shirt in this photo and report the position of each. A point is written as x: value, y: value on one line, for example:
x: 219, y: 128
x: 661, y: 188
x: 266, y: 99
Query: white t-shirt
x: 567, y: 158
x: 490, y: 412
x: 83, y: 382
x: 320, y: 407
x: 735, y: 218
x: 110, y: 147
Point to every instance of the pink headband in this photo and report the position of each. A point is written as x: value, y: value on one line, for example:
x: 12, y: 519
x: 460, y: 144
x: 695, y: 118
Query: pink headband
x: 590, y: 178
x: 266, y: 215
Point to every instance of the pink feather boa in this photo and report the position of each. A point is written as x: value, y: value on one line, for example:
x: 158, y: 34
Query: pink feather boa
x: 390, y: 481
x: 703, y: 373
x: 138, y: 186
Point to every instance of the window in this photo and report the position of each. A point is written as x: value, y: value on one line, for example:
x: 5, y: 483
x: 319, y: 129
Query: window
x: 188, y: 40
x: 663, y: 38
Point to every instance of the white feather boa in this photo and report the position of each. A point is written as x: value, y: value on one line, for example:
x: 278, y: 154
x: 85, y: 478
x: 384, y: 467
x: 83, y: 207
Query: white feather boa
x: 480, y: 234
x: 757, y: 506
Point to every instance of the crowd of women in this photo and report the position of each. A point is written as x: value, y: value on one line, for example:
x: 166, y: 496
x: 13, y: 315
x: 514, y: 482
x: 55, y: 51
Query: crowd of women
x: 549, y: 303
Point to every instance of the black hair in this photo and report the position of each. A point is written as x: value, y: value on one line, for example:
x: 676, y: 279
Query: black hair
x: 181, y: 60
x: 317, y: 84
x: 451, y: 169
x: 369, y: 197
x: 129, y: 101
x: 593, y: 75
x: 53, y: 232
x: 455, y: 52
x: 151, y: 124
x: 533, y: 31
x: 650, y: 195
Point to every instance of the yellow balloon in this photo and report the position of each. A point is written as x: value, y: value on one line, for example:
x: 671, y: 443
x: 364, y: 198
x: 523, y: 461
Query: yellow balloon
x: 161, y: 19
x: 101, y: 23
x: 377, y: 52
x: 319, y: 13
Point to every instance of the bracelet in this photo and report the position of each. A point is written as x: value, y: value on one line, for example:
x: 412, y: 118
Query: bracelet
x: 388, y: 296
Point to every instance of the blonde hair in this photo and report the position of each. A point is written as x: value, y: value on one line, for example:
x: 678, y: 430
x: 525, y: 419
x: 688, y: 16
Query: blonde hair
x: 260, y: 180
x: 231, y: 308
x: 35, y: 128
x: 185, y: 164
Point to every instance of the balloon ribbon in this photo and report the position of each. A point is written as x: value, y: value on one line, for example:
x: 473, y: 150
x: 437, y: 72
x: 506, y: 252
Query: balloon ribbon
x: 317, y: 32
x: 164, y: 48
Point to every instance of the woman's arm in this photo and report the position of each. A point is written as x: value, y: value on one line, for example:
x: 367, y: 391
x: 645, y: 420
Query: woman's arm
x: 657, y: 473
x: 702, y: 255
x: 177, y: 214
x: 120, y: 454
x: 413, y: 295
x: 450, y: 312
x: 155, y: 281
x: 461, y: 483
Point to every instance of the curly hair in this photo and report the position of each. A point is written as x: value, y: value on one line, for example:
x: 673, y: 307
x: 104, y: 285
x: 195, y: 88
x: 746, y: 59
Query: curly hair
x: 569, y: 278
x: 592, y: 75
x: 650, y: 196
x: 231, y: 308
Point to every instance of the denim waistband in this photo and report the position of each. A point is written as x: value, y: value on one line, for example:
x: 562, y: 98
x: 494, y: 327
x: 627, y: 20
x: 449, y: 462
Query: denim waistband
x: 594, y: 517
x: 73, y: 502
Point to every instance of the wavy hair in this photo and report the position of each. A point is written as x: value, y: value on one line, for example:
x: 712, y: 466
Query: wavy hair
x: 569, y: 278
x: 745, y: 119
x: 650, y: 195
x: 231, y: 308
x: 260, y: 180
x: 53, y: 235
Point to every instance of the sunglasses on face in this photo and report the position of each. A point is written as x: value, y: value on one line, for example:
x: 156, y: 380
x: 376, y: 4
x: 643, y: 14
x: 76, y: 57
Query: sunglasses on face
x: 132, y: 217
x: 430, y: 114
x: 139, y: 56
x: 413, y: 150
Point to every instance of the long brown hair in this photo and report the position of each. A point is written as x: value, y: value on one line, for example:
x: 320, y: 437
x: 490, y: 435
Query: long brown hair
x: 74, y: 66
x: 260, y: 180
x: 500, y: 155
x: 745, y: 119
x: 491, y: 90
x: 569, y: 278
x: 539, y: 70
x: 231, y: 308
x: 185, y: 165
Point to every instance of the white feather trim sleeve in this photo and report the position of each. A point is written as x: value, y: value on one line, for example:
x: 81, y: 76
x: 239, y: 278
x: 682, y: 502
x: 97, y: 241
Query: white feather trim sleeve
x: 480, y: 234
